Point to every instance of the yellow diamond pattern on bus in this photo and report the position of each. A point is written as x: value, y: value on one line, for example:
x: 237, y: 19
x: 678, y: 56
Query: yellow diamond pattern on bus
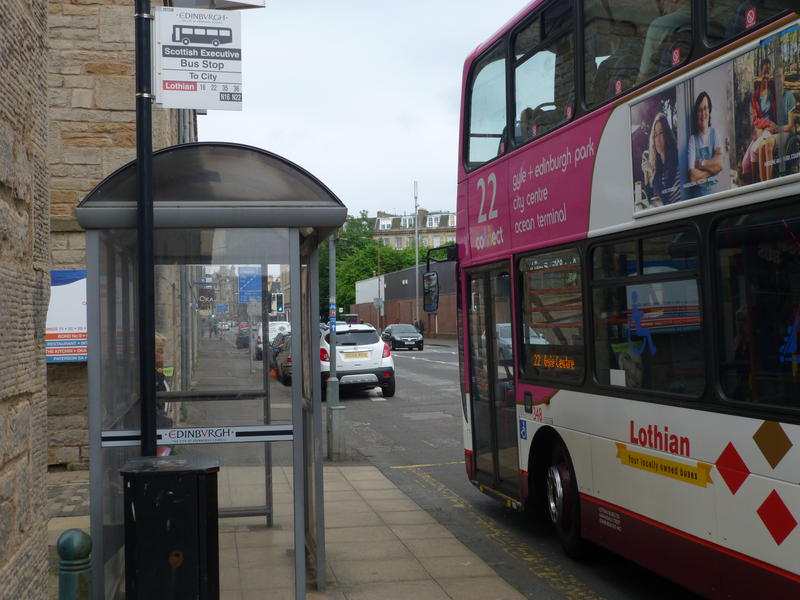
x: 773, y: 442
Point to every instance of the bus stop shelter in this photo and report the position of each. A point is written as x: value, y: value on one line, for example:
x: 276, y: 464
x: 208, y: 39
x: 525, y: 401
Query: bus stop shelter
x: 235, y: 228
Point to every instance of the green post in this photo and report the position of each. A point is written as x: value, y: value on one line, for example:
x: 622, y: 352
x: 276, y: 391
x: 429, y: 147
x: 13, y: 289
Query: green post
x: 74, y: 565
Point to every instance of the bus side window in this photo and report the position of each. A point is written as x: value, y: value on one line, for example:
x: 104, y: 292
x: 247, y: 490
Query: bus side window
x: 728, y: 18
x: 613, y: 39
x: 487, y: 109
x: 758, y: 271
x: 668, y: 37
x: 552, y: 344
x: 543, y: 73
x: 648, y: 333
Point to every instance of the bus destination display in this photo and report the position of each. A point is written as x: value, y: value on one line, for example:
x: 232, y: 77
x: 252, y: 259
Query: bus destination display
x: 198, y: 59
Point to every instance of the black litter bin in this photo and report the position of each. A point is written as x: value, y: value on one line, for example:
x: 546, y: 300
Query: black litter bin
x: 171, y: 531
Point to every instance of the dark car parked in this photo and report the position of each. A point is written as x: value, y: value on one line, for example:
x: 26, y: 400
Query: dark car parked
x: 243, y: 336
x: 283, y: 362
x: 402, y: 335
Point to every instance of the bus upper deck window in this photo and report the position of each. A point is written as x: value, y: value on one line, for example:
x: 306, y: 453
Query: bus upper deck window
x: 487, y: 108
x: 626, y: 43
x: 543, y: 68
x: 668, y: 38
x: 728, y: 18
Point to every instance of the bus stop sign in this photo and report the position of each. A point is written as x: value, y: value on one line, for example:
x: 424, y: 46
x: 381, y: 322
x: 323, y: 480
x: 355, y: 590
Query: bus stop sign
x: 198, y: 58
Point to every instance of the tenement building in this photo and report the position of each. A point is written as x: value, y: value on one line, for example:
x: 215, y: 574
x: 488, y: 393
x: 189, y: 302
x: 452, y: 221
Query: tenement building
x: 24, y: 280
x: 91, y: 132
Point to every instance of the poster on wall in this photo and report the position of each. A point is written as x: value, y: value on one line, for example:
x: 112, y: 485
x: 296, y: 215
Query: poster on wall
x: 65, y: 336
x: 734, y: 125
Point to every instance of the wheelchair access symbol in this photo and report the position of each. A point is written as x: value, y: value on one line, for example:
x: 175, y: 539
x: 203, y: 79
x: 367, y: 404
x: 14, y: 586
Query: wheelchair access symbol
x: 788, y: 351
x: 635, y: 324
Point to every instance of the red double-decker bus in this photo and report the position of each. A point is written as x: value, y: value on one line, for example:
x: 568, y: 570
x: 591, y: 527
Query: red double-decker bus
x: 629, y: 265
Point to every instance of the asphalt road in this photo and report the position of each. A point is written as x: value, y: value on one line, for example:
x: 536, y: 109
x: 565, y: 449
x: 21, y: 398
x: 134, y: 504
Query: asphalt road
x: 415, y: 438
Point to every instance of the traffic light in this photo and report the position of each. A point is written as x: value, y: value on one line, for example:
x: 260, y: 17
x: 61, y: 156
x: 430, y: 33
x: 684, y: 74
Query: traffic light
x: 279, y: 302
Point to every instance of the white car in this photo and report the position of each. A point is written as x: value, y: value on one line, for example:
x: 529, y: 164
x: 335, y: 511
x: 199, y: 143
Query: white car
x: 363, y: 359
x: 505, y: 343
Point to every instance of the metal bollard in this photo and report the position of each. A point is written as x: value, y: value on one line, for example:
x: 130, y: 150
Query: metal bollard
x: 74, y: 565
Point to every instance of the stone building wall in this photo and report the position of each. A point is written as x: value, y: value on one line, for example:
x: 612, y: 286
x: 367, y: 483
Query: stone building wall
x: 91, y: 133
x: 24, y: 280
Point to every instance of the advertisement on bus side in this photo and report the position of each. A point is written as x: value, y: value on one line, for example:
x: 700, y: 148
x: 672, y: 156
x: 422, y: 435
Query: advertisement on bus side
x: 732, y: 126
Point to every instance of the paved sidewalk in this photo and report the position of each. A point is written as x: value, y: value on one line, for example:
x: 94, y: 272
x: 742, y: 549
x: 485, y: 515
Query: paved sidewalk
x: 380, y: 544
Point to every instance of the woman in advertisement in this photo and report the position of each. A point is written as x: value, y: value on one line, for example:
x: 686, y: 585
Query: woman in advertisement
x: 704, y: 154
x: 660, y: 164
x: 763, y: 110
x: 764, y: 99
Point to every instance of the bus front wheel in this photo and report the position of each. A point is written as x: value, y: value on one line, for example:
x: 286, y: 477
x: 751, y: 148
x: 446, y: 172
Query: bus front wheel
x: 185, y: 41
x: 563, y: 504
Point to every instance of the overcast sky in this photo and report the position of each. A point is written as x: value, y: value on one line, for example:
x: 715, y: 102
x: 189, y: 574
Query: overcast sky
x: 364, y: 94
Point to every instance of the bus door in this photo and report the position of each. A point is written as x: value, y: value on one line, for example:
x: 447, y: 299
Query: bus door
x: 491, y: 359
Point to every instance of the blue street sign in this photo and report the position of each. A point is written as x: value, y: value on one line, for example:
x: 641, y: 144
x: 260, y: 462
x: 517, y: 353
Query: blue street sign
x: 249, y: 284
x: 222, y: 308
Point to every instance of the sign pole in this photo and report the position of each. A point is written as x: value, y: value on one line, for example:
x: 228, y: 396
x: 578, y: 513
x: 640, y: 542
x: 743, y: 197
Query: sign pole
x: 144, y: 186
x: 416, y: 257
x: 335, y: 411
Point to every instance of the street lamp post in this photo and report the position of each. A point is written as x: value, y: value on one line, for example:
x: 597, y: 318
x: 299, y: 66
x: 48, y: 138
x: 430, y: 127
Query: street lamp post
x: 416, y: 259
x: 146, y: 247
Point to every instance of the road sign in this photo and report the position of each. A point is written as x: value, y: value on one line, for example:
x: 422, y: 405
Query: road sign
x: 198, y: 58
x: 222, y: 308
x: 249, y: 284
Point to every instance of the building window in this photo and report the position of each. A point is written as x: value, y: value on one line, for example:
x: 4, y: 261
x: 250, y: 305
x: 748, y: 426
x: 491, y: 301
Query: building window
x: 398, y: 242
x: 384, y: 224
x: 431, y: 222
x: 437, y: 241
x: 451, y: 221
x: 407, y: 222
x: 451, y: 238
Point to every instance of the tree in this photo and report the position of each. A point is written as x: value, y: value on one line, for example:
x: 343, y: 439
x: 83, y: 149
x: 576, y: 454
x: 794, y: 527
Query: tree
x: 358, y: 256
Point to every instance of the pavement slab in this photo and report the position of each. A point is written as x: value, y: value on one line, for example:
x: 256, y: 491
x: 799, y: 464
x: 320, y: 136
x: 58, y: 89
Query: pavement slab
x: 379, y: 543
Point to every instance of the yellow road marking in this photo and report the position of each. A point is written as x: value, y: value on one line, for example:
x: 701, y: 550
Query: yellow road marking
x: 538, y: 564
x: 455, y: 462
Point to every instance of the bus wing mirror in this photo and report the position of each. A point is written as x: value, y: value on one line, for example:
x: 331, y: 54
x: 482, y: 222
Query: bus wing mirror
x: 430, y: 291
